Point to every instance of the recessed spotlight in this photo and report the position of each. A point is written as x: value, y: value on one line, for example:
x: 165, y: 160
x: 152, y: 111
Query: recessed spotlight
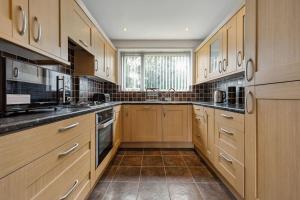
x: 187, y: 29
x: 124, y: 29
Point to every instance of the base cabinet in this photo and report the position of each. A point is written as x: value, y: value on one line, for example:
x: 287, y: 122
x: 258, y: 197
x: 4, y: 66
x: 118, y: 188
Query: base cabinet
x: 273, y: 142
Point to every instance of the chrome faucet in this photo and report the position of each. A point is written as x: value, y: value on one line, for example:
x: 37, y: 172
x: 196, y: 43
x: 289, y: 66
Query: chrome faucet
x: 168, y: 96
x: 154, y: 93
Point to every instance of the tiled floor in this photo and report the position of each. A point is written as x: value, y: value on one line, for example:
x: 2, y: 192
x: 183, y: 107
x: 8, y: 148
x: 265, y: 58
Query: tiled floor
x: 159, y: 174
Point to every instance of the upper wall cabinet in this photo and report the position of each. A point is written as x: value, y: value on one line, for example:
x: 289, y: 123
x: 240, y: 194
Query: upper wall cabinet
x: 215, y: 55
x: 14, y: 20
x: 44, y: 22
x: 272, y: 41
x: 240, y: 39
x: 110, y: 63
x: 202, y: 64
x: 99, y: 51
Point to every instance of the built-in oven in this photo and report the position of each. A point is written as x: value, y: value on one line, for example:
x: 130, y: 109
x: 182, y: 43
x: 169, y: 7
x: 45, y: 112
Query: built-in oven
x: 104, y: 133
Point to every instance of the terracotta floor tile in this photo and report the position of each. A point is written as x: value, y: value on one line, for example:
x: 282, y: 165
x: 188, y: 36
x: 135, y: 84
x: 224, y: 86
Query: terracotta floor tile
x: 153, y: 174
x: 201, y: 174
x: 109, y: 174
x: 152, y: 161
x: 150, y: 191
x: 117, y: 160
x: 131, y: 161
x: 193, y: 161
x: 173, y: 161
x: 214, y: 191
x: 186, y: 191
x: 130, y: 174
x: 178, y: 175
x: 121, y: 191
x: 99, y: 191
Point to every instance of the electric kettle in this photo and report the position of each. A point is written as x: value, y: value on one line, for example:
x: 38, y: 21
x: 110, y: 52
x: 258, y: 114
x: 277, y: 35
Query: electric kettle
x: 219, y: 96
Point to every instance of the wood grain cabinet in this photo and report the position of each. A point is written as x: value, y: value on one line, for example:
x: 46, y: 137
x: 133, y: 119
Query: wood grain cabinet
x: 240, y: 39
x: 175, y: 123
x: 272, y: 41
x: 110, y: 63
x: 202, y: 64
x: 215, y: 55
x: 99, y: 51
x: 117, y: 137
x: 44, y: 22
x: 272, y: 141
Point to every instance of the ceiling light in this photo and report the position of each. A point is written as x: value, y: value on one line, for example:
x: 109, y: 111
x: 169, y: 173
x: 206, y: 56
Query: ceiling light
x: 187, y: 29
x: 124, y: 29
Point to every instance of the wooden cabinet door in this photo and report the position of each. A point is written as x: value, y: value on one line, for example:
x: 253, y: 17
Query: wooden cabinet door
x: 110, y: 62
x: 99, y: 50
x: 215, y: 56
x: 202, y: 64
x: 209, y: 121
x: 146, y: 123
x: 117, y: 128
x: 6, y: 18
x: 200, y: 132
x: 127, y: 114
x: 44, y: 23
x: 20, y: 21
x: 272, y: 41
x: 175, y: 123
x: 229, y: 46
x: 272, y: 142
x: 240, y: 39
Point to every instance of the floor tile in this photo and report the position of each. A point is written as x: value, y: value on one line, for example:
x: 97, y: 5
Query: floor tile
x: 153, y: 174
x: 188, y: 152
x: 214, y: 191
x: 99, y: 191
x: 178, y: 175
x: 121, y: 152
x: 169, y: 152
x: 130, y: 174
x: 150, y: 191
x: 121, y: 191
x: 201, y: 174
x: 173, y: 161
x: 193, y: 161
x: 152, y: 161
x: 109, y: 173
x: 184, y: 191
x: 131, y: 161
x: 134, y: 151
x: 153, y: 152
x: 117, y: 160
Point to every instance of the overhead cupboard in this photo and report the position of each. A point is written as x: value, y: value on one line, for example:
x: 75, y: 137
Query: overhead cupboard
x: 223, y: 53
x: 46, y: 26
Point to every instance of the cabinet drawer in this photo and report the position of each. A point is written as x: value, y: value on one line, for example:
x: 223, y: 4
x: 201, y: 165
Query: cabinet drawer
x: 230, y: 139
x: 68, y: 182
x: 19, y: 149
x: 230, y: 119
x: 231, y: 169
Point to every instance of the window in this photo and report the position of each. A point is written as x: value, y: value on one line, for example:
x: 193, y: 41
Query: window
x: 156, y: 70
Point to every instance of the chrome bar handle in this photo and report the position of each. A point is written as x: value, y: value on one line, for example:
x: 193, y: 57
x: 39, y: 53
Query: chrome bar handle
x: 97, y: 65
x: 106, y: 124
x: 68, y: 127
x: 70, y: 191
x: 226, y: 131
x: 226, y: 116
x: 205, y: 73
x: 39, y: 36
x: 239, y: 58
x: 249, y: 94
x: 24, y: 21
x: 83, y: 43
x: 249, y: 78
x: 76, y: 145
x: 220, y: 67
x: 225, y: 64
x: 222, y: 156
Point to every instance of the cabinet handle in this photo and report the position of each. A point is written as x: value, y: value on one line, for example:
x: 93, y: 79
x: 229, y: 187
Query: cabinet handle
x: 239, y: 58
x: 70, y: 191
x: 16, y: 72
x: 249, y: 95
x: 39, y: 36
x: 205, y: 73
x: 76, y: 145
x: 24, y: 21
x: 222, y: 156
x: 68, y: 127
x: 107, y: 71
x: 83, y: 43
x: 248, y: 64
x: 225, y: 64
x: 97, y: 65
x: 226, y: 116
x: 220, y: 67
x: 226, y: 131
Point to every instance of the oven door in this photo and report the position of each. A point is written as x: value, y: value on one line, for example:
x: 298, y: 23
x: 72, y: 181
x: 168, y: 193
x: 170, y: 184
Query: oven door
x: 104, y: 140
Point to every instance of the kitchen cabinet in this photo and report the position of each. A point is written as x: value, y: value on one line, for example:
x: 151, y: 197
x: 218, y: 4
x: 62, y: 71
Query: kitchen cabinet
x: 175, y: 123
x: 99, y: 51
x: 240, y: 39
x: 44, y: 23
x: 202, y: 64
x: 272, y: 141
x: 6, y: 18
x: 272, y: 41
x: 126, y: 119
x: 117, y: 136
x: 215, y: 55
x: 229, y: 53
x: 110, y: 63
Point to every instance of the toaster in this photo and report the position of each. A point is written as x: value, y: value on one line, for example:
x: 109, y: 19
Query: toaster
x: 101, y: 97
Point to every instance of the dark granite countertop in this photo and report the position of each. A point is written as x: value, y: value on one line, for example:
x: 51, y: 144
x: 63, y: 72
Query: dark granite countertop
x: 19, y: 122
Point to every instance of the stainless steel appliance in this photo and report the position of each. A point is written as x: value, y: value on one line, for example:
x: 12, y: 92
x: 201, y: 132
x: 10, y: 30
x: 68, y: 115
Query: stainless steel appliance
x: 104, y: 133
x: 101, y: 97
x: 219, y: 96
x: 25, y: 86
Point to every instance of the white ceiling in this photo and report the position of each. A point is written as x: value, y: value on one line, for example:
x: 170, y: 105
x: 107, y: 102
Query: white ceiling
x: 160, y: 19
